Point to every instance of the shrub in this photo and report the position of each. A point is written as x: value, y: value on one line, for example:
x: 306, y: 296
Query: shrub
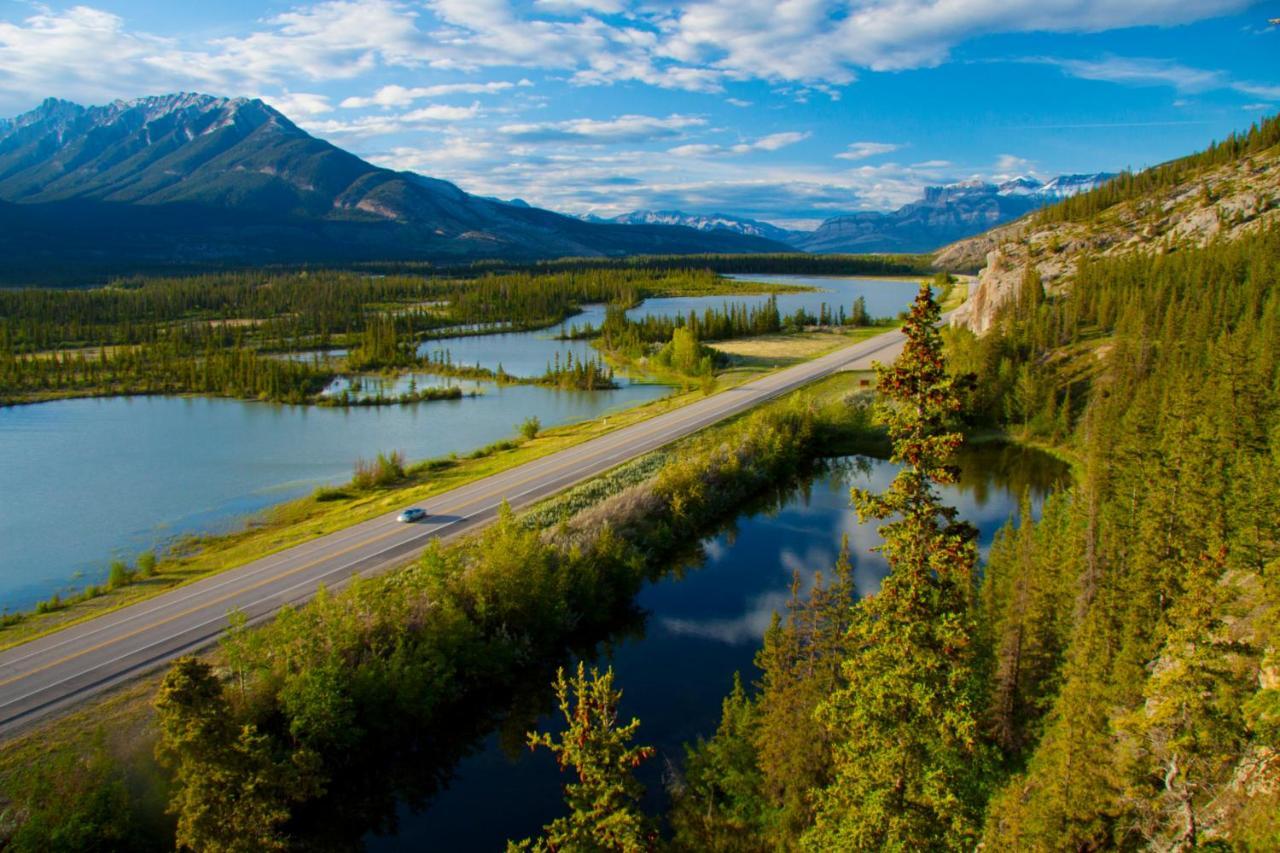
x: 146, y: 564
x: 386, y: 470
x: 530, y: 428
x: 118, y: 575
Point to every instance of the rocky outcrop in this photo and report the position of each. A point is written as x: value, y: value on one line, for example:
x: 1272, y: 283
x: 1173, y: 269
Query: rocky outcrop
x: 1222, y: 202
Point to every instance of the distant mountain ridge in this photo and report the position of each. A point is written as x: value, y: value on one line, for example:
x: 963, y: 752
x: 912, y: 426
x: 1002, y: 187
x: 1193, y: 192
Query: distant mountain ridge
x: 700, y: 222
x: 945, y: 214
x: 241, y: 183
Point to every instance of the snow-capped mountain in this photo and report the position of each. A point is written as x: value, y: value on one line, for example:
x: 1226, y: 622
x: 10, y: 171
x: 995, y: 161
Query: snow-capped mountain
x: 700, y: 222
x: 195, y: 179
x: 945, y: 214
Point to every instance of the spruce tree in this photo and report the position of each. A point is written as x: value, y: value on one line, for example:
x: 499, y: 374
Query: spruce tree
x: 909, y: 761
x: 604, y: 811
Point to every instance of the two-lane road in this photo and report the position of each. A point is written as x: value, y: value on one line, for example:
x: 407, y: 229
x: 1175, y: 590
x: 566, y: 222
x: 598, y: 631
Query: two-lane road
x: 53, y: 672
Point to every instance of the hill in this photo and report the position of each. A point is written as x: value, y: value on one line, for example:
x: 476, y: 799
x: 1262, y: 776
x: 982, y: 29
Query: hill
x: 192, y: 179
x: 1231, y: 189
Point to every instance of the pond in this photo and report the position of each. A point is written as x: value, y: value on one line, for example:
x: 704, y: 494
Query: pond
x: 528, y: 353
x: 703, y: 624
x: 84, y: 480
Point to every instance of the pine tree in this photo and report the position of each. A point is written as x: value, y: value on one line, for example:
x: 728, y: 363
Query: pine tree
x: 231, y: 791
x: 603, y: 804
x: 719, y: 806
x: 909, y: 761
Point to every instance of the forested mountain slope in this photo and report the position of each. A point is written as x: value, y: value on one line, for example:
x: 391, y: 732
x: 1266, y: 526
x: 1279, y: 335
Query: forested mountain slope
x: 190, y: 179
x: 1114, y: 680
x: 1228, y: 190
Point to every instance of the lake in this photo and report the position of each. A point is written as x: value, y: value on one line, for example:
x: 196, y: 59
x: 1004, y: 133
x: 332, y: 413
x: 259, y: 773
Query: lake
x: 83, y: 481
x: 703, y: 624
x: 528, y: 353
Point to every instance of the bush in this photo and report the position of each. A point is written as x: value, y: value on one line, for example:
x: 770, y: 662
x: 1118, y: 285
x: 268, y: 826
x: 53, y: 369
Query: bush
x: 118, y: 575
x: 386, y: 470
x: 530, y: 428
x: 146, y: 564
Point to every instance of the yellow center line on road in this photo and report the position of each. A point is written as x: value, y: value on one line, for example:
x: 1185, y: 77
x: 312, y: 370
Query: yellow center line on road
x: 608, y: 443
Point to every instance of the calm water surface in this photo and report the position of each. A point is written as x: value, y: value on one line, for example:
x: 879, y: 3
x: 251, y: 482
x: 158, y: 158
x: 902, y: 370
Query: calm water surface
x: 703, y: 625
x: 84, y: 480
x: 529, y: 353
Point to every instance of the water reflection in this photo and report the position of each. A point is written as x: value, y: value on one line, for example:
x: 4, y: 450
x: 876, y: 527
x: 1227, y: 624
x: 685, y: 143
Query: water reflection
x: 705, y: 620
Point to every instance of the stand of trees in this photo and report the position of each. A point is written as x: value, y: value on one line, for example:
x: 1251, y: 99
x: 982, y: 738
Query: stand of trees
x: 324, y: 711
x: 1109, y: 682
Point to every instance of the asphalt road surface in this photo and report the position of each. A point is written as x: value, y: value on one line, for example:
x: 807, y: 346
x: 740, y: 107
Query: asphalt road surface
x: 54, y: 672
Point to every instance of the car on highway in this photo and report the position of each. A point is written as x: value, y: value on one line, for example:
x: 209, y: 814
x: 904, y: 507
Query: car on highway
x: 412, y: 514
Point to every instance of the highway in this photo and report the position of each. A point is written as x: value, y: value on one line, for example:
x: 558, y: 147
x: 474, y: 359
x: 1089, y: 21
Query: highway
x: 54, y: 672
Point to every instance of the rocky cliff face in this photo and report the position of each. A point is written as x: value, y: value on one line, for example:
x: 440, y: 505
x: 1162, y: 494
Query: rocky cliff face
x: 1222, y: 202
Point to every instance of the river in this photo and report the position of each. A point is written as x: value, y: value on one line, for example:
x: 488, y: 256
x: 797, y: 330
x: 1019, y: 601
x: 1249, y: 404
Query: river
x: 702, y: 624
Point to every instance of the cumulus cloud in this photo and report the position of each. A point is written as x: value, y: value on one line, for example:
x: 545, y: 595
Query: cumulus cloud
x: 299, y: 104
x: 863, y: 150
x: 627, y: 128
x: 771, y: 142
x: 403, y: 96
x: 808, y: 45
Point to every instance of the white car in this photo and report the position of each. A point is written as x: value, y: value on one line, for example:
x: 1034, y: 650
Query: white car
x: 412, y: 514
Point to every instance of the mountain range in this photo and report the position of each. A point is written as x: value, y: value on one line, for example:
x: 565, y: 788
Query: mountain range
x: 945, y: 214
x: 190, y: 180
x: 709, y: 222
x: 193, y: 179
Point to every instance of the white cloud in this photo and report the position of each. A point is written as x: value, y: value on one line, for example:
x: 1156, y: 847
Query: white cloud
x: 773, y: 141
x: 826, y: 41
x: 863, y: 150
x: 383, y: 124
x: 697, y: 149
x: 627, y: 128
x: 402, y: 96
x: 737, y: 102
x: 567, y: 7
x: 1141, y: 72
x: 441, y: 112
x: 806, y: 45
x: 1270, y: 93
x: 299, y: 104
x: 1009, y: 166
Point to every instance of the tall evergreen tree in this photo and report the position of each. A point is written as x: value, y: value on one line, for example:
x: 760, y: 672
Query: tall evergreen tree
x: 909, y: 760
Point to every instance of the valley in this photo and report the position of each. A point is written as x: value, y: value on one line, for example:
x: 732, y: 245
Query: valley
x: 585, y: 427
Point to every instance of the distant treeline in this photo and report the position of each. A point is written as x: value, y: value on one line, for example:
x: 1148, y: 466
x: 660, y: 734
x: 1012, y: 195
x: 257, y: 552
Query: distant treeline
x: 289, y: 311
x: 782, y: 263
x: 1128, y: 186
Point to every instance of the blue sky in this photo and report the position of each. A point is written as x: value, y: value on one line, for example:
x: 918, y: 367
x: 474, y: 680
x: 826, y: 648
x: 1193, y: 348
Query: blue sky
x: 784, y: 111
